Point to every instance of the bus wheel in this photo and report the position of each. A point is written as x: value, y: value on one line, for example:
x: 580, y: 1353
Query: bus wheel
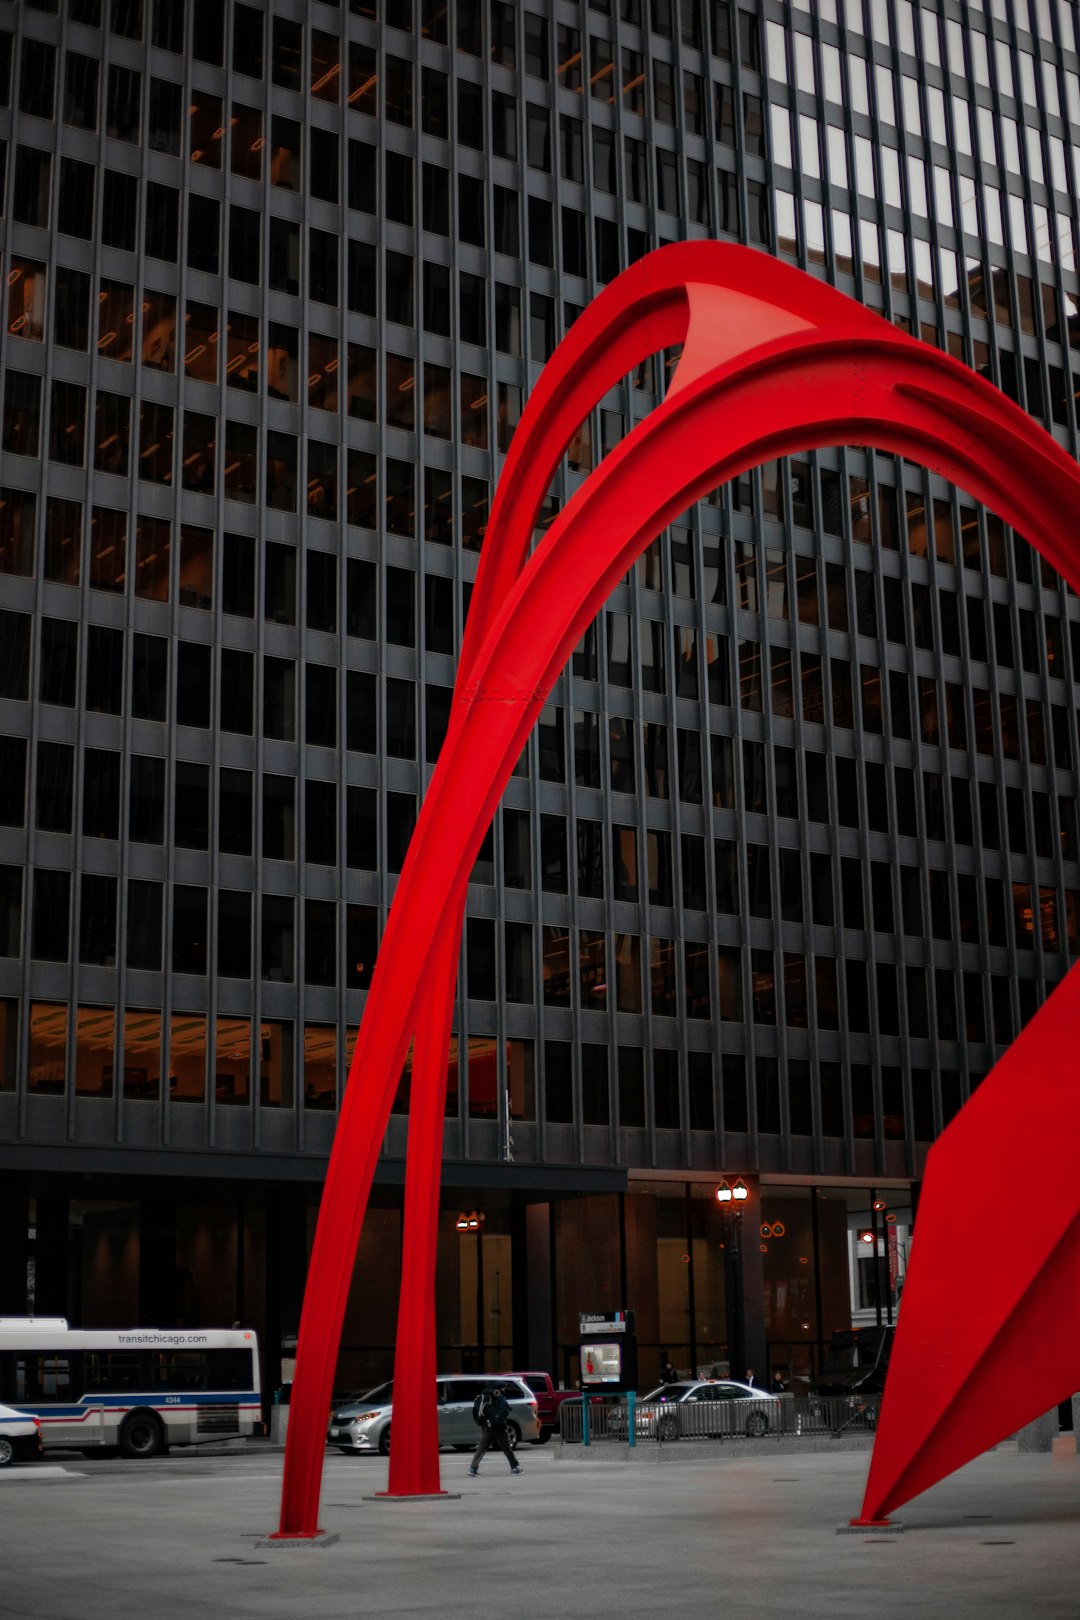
x: 141, y: 1436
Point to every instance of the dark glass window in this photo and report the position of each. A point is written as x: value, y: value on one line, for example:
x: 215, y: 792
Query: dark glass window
x: 193, y: 680
x: 189, y: 934
x: 55, y: 795
x: 287, y: 53
x: 204, y: 233
x: 37, y: 78
x: 97, y: 919
x: 165, y: 117
x: 75, y: 215
x: 191, y: 805
x: 320, y: 704
x: 146, y: 800
x: 119, y: 210
x: 50, y: 929
x: 234, y: 934
x: 21, y: 435
x: 279, y: 818
x: 104, y: 669
x: 237, y: 691
x: 320, y: 942
x: 123, y: 104
x: 362, y: 829
x: 101, y: 793
x: 145, y: 911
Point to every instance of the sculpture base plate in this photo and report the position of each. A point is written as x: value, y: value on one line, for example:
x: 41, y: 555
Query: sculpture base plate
x: 870, y: 1527
x: 288, y: 1541
x: 420, y: 1496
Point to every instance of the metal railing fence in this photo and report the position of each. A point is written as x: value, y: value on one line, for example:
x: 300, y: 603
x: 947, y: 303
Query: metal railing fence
x: 784, y: 1417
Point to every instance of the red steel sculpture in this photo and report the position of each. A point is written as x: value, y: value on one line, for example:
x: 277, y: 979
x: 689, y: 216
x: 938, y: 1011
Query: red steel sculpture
x: 772, y: 362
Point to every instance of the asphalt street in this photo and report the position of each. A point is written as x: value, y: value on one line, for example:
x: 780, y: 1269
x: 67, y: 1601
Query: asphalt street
x: 753, y: 1536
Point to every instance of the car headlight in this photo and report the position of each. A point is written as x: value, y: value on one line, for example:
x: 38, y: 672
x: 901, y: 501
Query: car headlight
x: 365, y: 1417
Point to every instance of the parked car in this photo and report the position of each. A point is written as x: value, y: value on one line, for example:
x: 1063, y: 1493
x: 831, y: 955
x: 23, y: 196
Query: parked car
x: 363, y: 1425
x: 548, y: 1400
x: 710, y: 1406
x: 20, y: 1437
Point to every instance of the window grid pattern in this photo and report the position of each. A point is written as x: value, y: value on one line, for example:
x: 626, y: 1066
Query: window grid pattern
x: 795, y: 851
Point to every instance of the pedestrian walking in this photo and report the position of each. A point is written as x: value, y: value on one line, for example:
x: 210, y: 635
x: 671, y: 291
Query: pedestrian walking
x: 668, y: 1375
x: 492, y: 1412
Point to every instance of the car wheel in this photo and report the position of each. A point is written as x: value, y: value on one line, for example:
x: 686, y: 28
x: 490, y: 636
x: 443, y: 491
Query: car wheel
x: 756, y: 1424
x: 545, y: 1436
x: 384, y: 1442
x: 513, y: 1434
x: 142, y: 1436
x: 669, y: 1426
x: 7, y: 1452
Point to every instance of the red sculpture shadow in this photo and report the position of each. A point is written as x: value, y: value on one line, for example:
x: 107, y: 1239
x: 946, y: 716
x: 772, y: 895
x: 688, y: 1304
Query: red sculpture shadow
x: 773, y: 362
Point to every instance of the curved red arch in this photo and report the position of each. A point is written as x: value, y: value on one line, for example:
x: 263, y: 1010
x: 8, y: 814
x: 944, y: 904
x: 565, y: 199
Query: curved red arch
x: 773, y: 362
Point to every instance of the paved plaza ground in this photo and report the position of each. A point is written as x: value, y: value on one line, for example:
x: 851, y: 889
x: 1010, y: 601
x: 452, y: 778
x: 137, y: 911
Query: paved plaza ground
x: 735, y: 1536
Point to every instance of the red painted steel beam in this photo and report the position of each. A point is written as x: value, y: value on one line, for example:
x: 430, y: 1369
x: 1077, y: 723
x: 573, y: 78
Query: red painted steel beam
x: 987, y: 1338
x: 817, y: 370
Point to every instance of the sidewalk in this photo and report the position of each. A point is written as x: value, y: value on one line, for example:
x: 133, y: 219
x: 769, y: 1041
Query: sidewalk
x: 739, y: 1537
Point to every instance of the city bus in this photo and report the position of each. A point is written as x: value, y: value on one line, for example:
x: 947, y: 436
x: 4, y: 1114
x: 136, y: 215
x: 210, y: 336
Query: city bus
x: 130, y: 1392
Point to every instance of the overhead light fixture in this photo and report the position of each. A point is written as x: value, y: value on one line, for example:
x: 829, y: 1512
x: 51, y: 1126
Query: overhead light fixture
x: 866, y: 1237
x: 878, y: 1205
x: 740, y: 1192
x: 723, y: 1193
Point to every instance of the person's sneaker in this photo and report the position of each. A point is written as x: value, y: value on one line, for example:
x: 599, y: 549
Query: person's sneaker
x: 517, y: 1470
x: 472, y: 1473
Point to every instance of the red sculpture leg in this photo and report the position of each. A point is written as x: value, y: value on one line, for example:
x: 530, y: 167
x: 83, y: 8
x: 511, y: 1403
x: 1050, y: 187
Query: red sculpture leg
x: 978, y: 1356
x: 835, y: 375
x: 414, y: 1450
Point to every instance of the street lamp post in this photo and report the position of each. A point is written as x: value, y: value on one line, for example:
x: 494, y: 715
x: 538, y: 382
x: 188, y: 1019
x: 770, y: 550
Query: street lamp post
x: 731, y: 1197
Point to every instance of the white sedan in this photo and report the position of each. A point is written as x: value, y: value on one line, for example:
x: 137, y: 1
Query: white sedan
x: 20, y: 1437
x: 706, y: 1406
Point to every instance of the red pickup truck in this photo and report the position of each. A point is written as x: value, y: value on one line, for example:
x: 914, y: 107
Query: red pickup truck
x: 548, y: 1400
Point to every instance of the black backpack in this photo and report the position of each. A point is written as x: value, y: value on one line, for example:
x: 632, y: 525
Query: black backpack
x: 483, y: 1409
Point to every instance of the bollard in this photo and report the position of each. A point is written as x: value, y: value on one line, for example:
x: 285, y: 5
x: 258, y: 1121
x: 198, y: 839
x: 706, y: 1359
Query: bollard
x: 584, y: 1419
x: 631, y: 1402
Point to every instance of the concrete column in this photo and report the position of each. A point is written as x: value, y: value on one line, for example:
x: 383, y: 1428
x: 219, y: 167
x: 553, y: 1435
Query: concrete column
x: 51, y: 1258
x: 752, y: 1274
x: 14, y: 1243
x: 539, y: 1332
x: 286, y: 1273
x: 157, y: 1261
x: 1040, y: 1435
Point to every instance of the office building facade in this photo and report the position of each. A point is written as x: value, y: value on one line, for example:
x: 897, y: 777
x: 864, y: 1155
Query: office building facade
x: 793, y: 853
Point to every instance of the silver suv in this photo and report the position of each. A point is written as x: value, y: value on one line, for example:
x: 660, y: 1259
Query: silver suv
x: 363, y: 1425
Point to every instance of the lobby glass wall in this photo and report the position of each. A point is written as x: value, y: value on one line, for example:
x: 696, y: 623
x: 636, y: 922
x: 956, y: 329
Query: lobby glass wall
x: 833, y: 1258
